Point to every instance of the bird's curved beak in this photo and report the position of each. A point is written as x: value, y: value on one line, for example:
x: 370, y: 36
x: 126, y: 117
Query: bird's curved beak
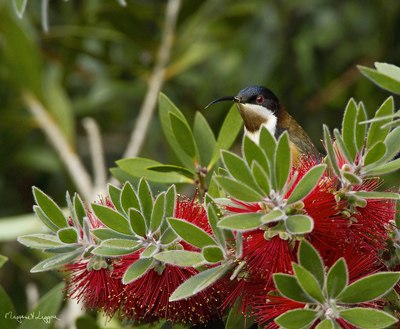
x: 235, y: 99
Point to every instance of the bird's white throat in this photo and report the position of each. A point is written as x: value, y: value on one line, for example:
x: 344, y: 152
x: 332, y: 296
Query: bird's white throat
x: 268, y: 118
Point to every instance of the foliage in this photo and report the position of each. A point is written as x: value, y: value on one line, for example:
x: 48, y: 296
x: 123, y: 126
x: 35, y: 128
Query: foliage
x: 221, y: 253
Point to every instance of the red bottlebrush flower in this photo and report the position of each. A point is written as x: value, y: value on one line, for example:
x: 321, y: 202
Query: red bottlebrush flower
x: 96, y: 288
x: 146, y: 299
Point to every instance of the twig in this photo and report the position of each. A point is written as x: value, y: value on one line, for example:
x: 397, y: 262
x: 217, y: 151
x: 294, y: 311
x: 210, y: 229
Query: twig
x: 156, y: 82
x: 68, y: 156
x: 96, y: 155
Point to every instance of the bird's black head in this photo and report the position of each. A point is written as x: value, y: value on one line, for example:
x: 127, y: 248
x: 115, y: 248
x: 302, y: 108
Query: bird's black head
x: 256, y: 95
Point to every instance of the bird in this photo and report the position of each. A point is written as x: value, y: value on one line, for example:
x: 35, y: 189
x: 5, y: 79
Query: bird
x: 259, y: 106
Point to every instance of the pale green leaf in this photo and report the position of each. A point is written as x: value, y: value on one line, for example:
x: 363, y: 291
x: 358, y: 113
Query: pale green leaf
x: 227, y: 135
x: 367, y: 318
x: 299, y: 224
x: 191, y: 233
x: 204, y: 138
x: 137, y: 269
x: 297, y: 319
x: 180, y: 257
x: 242, y: 221
x: 307, y: 183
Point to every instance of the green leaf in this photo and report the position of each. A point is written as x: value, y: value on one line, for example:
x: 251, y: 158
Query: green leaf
x: 170, y: 198
x: 121, y: 243
x: 171, y: 168
x: 39, y: 241
x: 382, y: 80
x: 367, y: 318
x: 50, y: 208
x: 80, y: 210
x: 106, y: 233
x: 273, y: 216
x: 307, y: 183
x: 308, y: 282
x: 112, y: 219
x: 352, y: 178
x: 213, y: 189
x: 384, y: 169
x: 229, y: 130
x: 252, y: 152
x: 337, y: 278
x: 392, y: 145
x: 330, y: 151
x: 268, y: 145
x: 68, y: 235
x: 165, y: 108
x: 349, y: 128
x: 237, y: 190
x: 146, y: 200
x: 48, y: 306
x: 282, y: 161
x: 261, y: 178
x: 239, y: 170
x: 26, y: 71
x: 137, y: 269
x: 204, y: 137
x: 108, y: 251
x: 212, y: 254
x: 128, y: 199
x: 297, y: 319
x: 311, y: 261
x: 45, y: 220
x: 376, y: 133
x: 63, y: 249
x: 289, y: 287
x: 199, y: 282
x: 375, y: 153
x: 150, y: 251
x: 376, y: 195
x: 213, y: 219
x: 390, y: 70
x: 360, y: 129
x: 137, y: 167
x: 157, y: 215
x: 242, y: 221
x: 369, y: 287
x: 6, y: 320
x: 343, y: 150
x: 326, y: 324
x: 191, y: 233
x: 56, y: 261
x: 169, y: 236
x: 137, y: 222
x: 180, y: 257
x: 183, y: 135
x: 299, y: 224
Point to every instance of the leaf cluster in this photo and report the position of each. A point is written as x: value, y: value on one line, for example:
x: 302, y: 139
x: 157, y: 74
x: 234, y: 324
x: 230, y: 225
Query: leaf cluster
x: 328, y: 297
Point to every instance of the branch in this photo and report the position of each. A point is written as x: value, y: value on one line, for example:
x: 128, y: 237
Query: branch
x: 68, y: 156
x: 96, y: 155
x: 156, y: 81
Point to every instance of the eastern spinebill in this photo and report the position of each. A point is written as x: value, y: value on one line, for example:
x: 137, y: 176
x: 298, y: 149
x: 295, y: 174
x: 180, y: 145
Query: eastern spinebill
x: 259, y: 107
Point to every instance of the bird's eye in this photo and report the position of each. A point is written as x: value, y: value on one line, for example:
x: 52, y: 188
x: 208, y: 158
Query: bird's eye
x: 259, y: 99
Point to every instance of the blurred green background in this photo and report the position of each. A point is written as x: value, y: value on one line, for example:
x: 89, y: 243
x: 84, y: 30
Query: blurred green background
x: 96, y: 61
